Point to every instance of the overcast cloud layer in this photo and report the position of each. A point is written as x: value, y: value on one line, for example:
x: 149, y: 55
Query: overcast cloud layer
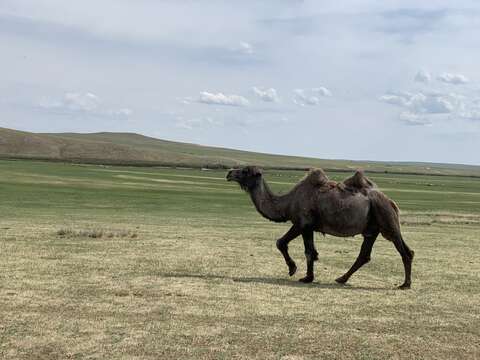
x: 351, y: 79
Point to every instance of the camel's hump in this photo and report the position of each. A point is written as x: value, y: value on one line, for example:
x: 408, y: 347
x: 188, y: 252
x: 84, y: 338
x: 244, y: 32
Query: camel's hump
x: 359, y: 181
x: 316, y: 177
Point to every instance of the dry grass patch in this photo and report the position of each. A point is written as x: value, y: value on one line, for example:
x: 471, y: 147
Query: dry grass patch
x: 417, y: 219
x: 188, y: 289
x: 96, y: 233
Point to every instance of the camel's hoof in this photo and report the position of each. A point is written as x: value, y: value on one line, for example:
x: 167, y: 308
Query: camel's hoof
x: 292, y: 269
x: 404, y: 286
x: 341, y: 280
x: 307, y: 279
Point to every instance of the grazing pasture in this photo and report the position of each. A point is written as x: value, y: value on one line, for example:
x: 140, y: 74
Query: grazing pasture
x: 156, y: 263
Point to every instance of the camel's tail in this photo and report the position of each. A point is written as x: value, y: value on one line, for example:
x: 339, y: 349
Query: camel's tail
x: 386, y: 214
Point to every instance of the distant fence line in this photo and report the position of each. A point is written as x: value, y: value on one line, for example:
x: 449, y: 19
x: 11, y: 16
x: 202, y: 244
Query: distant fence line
x: 210, y: 166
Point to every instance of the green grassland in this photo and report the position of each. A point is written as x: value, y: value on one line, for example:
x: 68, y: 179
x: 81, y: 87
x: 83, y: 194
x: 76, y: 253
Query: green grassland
x: 105, y: 262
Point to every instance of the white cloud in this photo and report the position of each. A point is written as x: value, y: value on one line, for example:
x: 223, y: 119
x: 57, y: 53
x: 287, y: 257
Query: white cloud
x: 470, y: 110
x: 400, y: 100
x: 245, y: 48
x: 268, y: 95
x: 312, y: 96
x: 473, y: 114
x: 455, y: 79
x: 120, y: 112
x: 81, y: 103
x: 424, y: 103
x: 302, y: 99
x: 197, y: 122
x: 222, y: 99
x: 186, y: 100
x: 423, y: 76
x: 422, y: 108
x: 86, y: 102
x: 322, y: 91
x: 413, y: 119
x: 432, y: 103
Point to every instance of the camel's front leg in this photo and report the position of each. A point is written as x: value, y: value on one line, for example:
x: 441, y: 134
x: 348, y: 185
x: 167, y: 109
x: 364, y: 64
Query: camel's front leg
x: 362, y: 259
x: 282, y: 245
x: 310, y: 253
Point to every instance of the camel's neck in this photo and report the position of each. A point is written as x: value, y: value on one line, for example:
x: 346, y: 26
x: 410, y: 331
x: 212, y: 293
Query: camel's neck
x: 271, y: 206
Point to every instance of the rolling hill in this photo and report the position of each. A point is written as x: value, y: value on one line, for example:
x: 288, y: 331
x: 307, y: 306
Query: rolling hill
x: 135, y: 149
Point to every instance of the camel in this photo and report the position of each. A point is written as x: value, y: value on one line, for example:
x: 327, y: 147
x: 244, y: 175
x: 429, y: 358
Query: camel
x: 354, y: 206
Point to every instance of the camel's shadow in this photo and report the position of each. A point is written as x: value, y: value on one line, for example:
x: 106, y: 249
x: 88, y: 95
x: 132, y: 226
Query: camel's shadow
x: 275, y: 281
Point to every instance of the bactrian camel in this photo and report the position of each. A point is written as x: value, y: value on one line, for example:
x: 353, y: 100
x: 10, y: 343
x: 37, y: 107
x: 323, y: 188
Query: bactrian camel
x: 354, y: 206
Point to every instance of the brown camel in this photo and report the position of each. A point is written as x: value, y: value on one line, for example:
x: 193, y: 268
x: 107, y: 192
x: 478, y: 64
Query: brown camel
x: 352, y: 207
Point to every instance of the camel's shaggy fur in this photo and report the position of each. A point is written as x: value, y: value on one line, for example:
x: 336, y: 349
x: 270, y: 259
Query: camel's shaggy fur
x: 354, y: 206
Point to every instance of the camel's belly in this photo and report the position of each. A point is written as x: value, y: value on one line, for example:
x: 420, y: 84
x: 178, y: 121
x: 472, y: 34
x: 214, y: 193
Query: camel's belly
x: 341, y: 232
x: 343, y: 217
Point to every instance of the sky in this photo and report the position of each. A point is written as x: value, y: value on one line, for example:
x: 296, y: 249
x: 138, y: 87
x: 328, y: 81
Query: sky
x: 361, y: 80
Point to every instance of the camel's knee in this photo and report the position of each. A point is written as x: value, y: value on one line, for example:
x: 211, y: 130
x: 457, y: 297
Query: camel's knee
x: 410, y: 253
x: 311, y: 256
x: 362, y: 260
x: 407, y: 253
x: 281, y: 245
x: 407, y: 258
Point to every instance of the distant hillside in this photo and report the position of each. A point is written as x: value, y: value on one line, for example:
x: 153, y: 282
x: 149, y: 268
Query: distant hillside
x: 135, y: 149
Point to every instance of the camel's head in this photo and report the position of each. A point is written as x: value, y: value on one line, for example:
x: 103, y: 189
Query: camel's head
x: 248, y: 177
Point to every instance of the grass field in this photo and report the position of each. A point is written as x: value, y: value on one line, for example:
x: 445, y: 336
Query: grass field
x: 156, y: 263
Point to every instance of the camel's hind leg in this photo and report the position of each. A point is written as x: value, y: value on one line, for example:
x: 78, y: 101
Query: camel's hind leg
x: 407, y: 256
x: 282, y: 245
x: 386, y: 216
x: 362, y: 259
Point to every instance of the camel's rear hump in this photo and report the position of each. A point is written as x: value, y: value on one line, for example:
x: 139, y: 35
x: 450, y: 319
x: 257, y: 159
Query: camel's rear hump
x: 359, y: 182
